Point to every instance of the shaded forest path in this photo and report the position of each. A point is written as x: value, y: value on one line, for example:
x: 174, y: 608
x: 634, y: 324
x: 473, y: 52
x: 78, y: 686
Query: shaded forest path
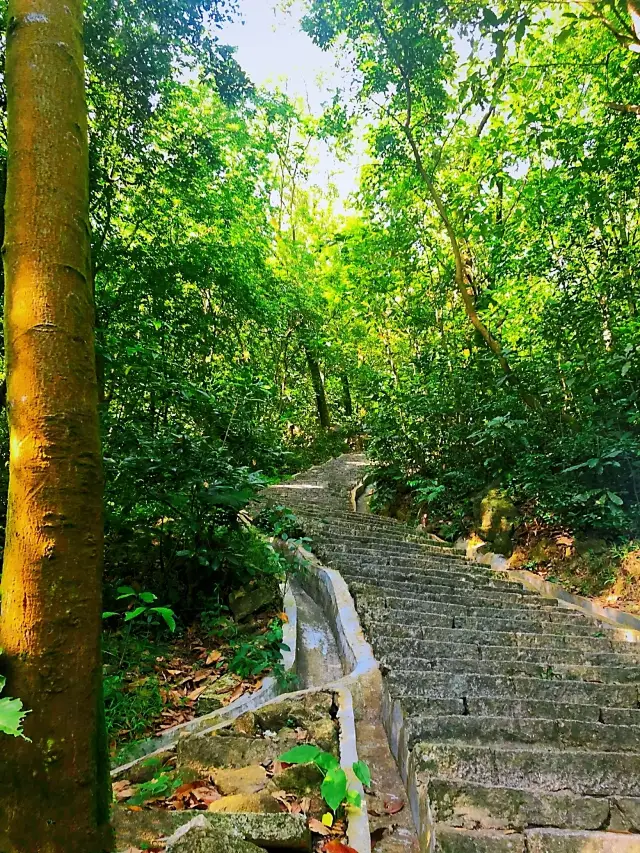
x: 515, y: 722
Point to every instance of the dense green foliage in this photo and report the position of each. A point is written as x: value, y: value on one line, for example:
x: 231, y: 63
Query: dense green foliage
x: 475, y: 315
x: 496, y: 252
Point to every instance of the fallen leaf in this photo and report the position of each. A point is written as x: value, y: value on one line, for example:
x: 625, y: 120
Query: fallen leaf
x: 123, y: 790
x: 212, y: 657
x: 283, y: 617
x: 318, y: 827
x: 197, y: 692
x: 393, y: 805
x: 337, y: 847
x: 237, y: 693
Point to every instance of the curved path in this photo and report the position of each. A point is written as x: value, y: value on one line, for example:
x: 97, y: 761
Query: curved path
x: 515, y: 721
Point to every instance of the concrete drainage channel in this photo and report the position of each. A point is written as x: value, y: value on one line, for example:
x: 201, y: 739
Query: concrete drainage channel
x: 328, y: 649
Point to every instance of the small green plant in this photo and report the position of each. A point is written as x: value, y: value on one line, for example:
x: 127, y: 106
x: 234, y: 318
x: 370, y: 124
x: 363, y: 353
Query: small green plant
x: 12, y: 714
x: 335, y: 786
x: 254, y: 655
x: 143, y: 610
x: 160, y: 787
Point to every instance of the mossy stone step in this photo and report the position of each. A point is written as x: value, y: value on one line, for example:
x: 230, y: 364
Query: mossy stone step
x: 454, y: 685
x: 558, y: 733
x: 485, y: 706
x: 599, y: 774
x: 574, y: 672
x: 384, y: 646
x: 468, y: 805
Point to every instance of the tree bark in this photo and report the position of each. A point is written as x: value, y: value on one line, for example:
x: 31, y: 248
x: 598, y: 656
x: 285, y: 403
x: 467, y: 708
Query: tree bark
x: 54, y: 794
x: 346, y: 395
x: 318, y: 388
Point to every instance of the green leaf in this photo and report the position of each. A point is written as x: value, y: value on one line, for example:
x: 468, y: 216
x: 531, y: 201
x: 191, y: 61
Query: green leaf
x: 354, y: 799
x: 12, y: 715
x: 362, y: 773
x: 168, y: 615
x: 615, y: 499
x: 334, y: 788
x: 133, y: 614
x: 109, y: 613
x: 125, y: 592
x: 147, y: 597
x: 325, y: 761
x: 302, y: 754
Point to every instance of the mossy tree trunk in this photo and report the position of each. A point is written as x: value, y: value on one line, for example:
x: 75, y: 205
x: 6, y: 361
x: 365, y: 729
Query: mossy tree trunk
x: 53, y: 790
x: 318, y: 387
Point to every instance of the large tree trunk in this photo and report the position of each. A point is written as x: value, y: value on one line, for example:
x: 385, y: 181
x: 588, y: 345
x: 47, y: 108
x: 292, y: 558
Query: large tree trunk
x: 318, y: 388
x: 53, y: 791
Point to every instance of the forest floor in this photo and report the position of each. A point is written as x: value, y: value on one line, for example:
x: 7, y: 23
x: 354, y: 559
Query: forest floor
x: 592, y: 567
x: 156, y: 681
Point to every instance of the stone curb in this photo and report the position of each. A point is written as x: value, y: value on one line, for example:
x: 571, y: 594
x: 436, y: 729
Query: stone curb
x: 269, y: 691
x: 618, y: 618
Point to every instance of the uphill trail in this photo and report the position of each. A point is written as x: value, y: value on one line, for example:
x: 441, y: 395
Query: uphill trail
x: 515, y: 721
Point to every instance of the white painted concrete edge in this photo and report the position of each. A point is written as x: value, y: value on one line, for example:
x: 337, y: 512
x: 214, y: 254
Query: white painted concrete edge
x: 269, y: 691
x: 619, y: 619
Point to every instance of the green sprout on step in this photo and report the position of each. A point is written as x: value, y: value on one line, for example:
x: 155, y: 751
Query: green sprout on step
x: 335, y: 786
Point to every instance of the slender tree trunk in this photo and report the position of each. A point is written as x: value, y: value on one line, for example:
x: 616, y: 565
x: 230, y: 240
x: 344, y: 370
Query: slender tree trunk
x: 346, y: 395
x: 53, y: 790
x: 318, y: 388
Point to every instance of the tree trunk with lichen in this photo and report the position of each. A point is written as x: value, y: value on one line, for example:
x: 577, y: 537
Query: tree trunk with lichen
x: 54, y: 789
x: 318, y: 387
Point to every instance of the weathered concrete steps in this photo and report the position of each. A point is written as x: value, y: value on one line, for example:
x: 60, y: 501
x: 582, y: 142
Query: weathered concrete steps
x: 516, y: 722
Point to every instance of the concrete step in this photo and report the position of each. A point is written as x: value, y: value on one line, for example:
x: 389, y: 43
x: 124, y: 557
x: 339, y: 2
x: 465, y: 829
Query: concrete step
x: 448, y: 839
x: 403, y: 682
x: 397, y: 553
x: 384, y: 646
x: 468, y: 805
x: 414, y: 572
x: 477, y: 598
x: 574, y: 672
x: 429, y: 617
x: 522, y: 639
x: 584, y: 772
x: 484, y: 706
x: 437, y: 583
x: 530, y: 731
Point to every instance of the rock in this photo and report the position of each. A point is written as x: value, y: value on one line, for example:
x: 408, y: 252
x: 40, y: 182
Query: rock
x: 299, y: 713
x: 204, y: 752
x: 244, y: 780
x: 495, y: 515
x: 324, y: 733
x: 262, y: 803
x: 199, y: 836
x: 213, y: 697
x: 590, y: 544
x: 247, y: 600
x: 246, y: 724
x: 299, y: 779
x: 274, y: 831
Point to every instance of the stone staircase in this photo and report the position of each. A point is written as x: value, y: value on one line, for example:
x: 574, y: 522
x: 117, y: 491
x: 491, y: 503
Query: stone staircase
x: 519, y: 719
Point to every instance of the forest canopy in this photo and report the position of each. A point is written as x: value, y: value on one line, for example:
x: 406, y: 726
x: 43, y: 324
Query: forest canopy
x: 204, y: 312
